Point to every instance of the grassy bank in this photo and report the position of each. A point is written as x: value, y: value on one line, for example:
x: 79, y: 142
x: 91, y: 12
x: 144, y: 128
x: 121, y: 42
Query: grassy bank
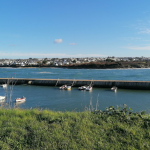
x: 110, y: 129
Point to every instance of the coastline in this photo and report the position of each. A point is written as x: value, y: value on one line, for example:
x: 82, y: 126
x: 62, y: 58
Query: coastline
x: 79, y: 68
x: 93, y: 65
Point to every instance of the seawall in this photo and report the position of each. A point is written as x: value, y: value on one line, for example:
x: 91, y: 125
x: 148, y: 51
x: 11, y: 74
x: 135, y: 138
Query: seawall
x: 142, y: 85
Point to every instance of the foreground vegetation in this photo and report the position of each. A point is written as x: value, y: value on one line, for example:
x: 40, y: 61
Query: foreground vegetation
x: 114, y: 128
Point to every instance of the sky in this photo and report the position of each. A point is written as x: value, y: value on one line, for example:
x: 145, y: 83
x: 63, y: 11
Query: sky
x: 74, y: 28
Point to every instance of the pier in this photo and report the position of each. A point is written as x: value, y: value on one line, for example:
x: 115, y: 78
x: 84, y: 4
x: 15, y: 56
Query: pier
x: 141, y: 85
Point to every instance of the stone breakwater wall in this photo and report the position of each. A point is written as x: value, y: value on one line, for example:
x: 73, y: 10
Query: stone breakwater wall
x: 142, y: 85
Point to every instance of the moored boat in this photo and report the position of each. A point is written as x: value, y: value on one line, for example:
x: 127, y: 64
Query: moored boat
x: 3, y: 85
x: 2, y: 98
x: 65, y: 87
x: 82, y: 87
x: 20, y: 99
x: 114, y: 88
x: 89, y: 88
x: 68, y: 88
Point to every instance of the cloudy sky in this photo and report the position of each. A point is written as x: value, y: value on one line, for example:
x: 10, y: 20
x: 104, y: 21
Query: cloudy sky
x: 74, y: 28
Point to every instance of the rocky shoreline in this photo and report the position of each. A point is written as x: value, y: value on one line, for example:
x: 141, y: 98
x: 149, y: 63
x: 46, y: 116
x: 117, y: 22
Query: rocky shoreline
x: 112, y: 65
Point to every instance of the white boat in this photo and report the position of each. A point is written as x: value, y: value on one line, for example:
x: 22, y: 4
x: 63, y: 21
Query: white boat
x: 2, y: 98
x: 114, y: 88
x: 20, y: 99
x: 3, y: 85
x: 68, y: 88
x: 89, y: 88
x: 82, y: 87
x: 65, y: 87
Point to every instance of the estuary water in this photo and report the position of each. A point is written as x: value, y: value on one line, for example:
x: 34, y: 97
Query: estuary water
x: 48, y: 97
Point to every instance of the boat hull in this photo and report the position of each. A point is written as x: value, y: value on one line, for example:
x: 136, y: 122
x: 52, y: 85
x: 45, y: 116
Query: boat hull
x: 65, y: 87
x: 2, y: 98
x: 114, y: 89
x: 89, y: 88
x: 4, y: 85
x: 20, y: 99
x: 82, y: 88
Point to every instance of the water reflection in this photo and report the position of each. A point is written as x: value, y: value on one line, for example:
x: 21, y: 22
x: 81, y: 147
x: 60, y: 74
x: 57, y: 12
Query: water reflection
x: 2, y: 101
x: 17, y: 104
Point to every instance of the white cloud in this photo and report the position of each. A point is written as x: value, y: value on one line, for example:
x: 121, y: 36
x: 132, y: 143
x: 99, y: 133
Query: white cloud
x: 138, y: 48
x: 72, y: 43
x: 142, y: 26
x: 58, y: 41
x: 42, y: 55
x: 147, y: 31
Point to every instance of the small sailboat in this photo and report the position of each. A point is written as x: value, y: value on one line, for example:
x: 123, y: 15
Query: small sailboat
x: 68, y: 88
x: 89, y: 88
x: 114, y: 88
x: 82, y: 87
x: 65, y: 87
x: 20, y: 99
x: 4, y: 85
x: 2, y: 98
x: 85, y: 87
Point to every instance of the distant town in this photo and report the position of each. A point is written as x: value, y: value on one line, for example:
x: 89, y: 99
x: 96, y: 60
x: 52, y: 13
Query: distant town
x: 74, y: 62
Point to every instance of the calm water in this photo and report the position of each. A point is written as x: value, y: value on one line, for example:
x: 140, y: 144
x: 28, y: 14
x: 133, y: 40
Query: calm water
x: 46, y: 97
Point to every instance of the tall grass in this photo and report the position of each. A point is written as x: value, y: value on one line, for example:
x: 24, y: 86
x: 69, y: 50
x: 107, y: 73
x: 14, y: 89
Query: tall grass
x: 114, y: 128
x: 8, y: 93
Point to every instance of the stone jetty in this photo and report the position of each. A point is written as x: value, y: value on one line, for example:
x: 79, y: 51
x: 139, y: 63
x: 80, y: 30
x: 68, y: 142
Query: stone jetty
x: 142, y: 85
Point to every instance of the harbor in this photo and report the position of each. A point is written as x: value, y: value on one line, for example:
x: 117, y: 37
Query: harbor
x: 41, y: 88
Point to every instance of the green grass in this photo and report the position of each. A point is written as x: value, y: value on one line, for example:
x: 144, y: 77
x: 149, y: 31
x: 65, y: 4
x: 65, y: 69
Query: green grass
x: 111, y: 129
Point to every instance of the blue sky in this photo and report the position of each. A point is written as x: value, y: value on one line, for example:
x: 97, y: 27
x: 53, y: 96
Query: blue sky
x: 74, y: 28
